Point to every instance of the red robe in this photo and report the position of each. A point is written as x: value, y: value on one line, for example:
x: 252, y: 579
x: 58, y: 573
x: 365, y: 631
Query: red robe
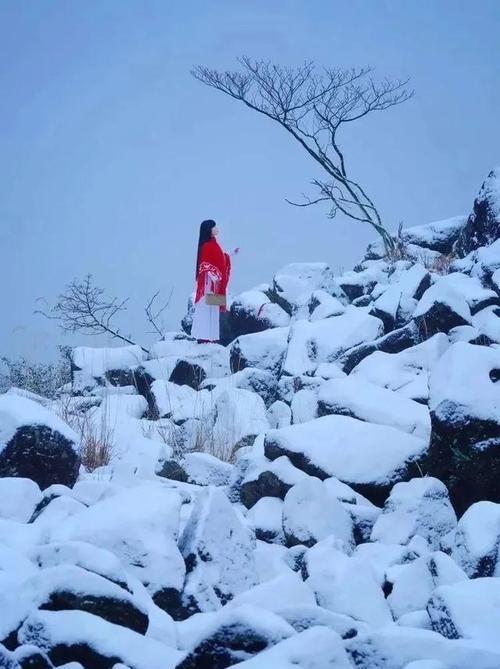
x: 214, y: 261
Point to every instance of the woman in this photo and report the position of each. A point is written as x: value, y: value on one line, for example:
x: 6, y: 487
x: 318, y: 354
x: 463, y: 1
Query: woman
x: 213, y: 268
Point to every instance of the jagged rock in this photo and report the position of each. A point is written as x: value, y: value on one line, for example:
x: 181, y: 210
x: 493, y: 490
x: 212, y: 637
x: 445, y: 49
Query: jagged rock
x: 198, y: 469
x: 483, y: 225
x: 36, y: 444
x: 420, y: 506
x: 441, y: 309
x: 438, y: 236
x: 323, y: 305
x: 476, y: 543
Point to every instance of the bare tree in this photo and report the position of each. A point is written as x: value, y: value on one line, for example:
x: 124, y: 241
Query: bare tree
x: 313, y: 107
x: 84, y: 307
x: 153, y: 316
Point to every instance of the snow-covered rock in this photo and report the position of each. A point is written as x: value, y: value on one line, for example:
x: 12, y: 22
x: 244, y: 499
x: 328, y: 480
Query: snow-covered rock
x: 406, y: 372
x: 264, y: 350
x: 311, y: 343
x: 253, y: 311
x: 294, y: 284
x: 269, y: 479
x: 465, y: 423
x: 355, y: 397
x: 78, y: 636
x: 438, y: 235
x: 468, y: 609
x: 218, y: 551
x: 18, y: 498
x: 266, y: 519
x: 420, y: 506
x: 414, y: 583
x: 36, y: 444
x: 476, y: 543
x: 311, y: 513
x: 345, y: 584
x: 368, y: 457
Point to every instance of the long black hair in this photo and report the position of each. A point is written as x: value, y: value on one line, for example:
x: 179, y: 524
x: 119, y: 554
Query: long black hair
x: 206, y: 228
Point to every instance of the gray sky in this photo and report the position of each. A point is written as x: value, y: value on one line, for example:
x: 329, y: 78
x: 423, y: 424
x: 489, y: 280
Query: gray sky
x: 111, y: 153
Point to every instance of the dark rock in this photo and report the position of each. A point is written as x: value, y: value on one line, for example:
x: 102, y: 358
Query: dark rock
x: 42, y: 454
x: 483, y: 225
x: 267, y: 484
x: 440, y: 317
x: 188, y: 373
x: 171, y: 469
x: 114, y: 610
x: 30, y: 657
x: 170, y: 600
x: 362, y: 301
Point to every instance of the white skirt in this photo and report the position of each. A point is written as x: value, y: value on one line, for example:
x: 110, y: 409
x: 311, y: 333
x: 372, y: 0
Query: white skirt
x: 206, y: 323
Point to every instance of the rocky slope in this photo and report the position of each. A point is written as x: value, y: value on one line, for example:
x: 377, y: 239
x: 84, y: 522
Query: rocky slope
x: 320, y: 492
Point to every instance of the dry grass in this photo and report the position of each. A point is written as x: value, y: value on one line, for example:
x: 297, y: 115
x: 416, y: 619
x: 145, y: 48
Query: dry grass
x: 96, y: 435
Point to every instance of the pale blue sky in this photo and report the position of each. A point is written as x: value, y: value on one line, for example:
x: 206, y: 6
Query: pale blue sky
x: 111, y: 154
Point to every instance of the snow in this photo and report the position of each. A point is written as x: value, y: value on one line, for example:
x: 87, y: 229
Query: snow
x: 352, y: 450
x: 18, y: 498
x: 267, y: 516
x: 361, y: 399
x: 17, y: 412
x: 444, y: 292
x: 304, y: 405
x: 295, y: 282
x: 260, y: 306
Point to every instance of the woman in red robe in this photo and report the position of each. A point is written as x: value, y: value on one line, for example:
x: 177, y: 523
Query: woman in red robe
x: 213, y: 269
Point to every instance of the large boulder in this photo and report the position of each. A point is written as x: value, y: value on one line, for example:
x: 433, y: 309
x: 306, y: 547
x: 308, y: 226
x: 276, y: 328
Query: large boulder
x: 464, y: 402
x: 437, y: 236
x: 483, y: 225
x: 36, y: 444
x: 368, y: 457
x: 294, y: 284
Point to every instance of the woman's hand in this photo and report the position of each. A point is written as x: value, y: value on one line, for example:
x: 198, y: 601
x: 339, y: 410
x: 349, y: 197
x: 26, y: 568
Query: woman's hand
x: 236, y: 251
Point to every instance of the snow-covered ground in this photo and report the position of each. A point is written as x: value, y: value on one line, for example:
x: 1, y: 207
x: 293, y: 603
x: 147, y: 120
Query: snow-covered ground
x: 320, y: 493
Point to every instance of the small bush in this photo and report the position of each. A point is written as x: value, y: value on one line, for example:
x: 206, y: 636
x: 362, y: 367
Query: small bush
x: 41, y: 378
